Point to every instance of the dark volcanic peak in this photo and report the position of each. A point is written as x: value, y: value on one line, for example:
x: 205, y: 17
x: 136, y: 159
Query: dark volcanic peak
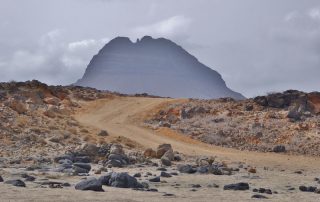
x: 154, y: 66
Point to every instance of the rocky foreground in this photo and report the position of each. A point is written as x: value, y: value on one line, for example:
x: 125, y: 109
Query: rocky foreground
x: 47, y: 155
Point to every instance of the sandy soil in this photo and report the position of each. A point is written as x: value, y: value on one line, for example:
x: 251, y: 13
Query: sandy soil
x: 122, y: 117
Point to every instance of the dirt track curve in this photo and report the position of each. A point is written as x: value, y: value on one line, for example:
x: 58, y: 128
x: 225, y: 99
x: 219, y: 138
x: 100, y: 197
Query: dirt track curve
x: 123, y: 116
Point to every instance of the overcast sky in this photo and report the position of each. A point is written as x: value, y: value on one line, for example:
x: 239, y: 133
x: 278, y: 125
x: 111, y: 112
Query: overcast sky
x: 258, y: 46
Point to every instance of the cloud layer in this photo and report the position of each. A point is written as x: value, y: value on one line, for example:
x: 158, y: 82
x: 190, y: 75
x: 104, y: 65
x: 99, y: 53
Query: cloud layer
x: 51, y: 59
x: 257, y: 46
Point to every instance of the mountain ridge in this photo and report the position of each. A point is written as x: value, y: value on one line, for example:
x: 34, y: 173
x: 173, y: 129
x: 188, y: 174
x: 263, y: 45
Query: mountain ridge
x: 154, y: 66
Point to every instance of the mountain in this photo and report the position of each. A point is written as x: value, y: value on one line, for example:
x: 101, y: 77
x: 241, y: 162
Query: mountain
x: 154, y: 66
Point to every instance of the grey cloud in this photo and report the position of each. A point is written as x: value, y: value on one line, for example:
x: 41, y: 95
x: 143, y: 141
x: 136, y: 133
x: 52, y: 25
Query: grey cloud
x: 257, y: 46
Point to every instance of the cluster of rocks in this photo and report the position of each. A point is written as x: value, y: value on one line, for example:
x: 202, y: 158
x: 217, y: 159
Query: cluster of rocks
x: 165, y: 153
x: 107, y: 155
x: 299, y: 104
x: 280, y: 122
x: 35, y: 117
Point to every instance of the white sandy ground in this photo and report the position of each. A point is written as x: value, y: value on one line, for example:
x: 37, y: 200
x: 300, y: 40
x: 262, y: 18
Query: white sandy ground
x: 123, y: 116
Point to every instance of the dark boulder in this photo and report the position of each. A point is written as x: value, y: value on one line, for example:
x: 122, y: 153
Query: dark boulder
x: 165, y: 161
x: 28, y: 177
x: 117, y: 160
x: 162, y: 149
x: 123, y: 180
x: 164, y: 174
x: 78, y: 171
x: 82, y: 159
x: 63, y: 157
x: 202, y: 169
x: 279, y: 149
x: 137, y: 175
x: 17, y: 183
x: 85, y: 166
x: 259, y: 196
x: 1, y: 179
x: 155, y: 179
x: 104, y: 180
x: 307, y: 189
x: 186, y: 169
x: 237, y: 187
x: 91, y: 184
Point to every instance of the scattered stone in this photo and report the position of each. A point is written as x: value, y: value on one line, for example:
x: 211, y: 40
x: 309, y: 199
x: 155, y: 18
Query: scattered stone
x: 79, y: 171
x: 259, y: 196
x: 85, y: 166
x: 16, y: 183
x: 162, y: 149
x: 164, y: 174
x: 64, y: 157
x: 82, y: 159
x: 117, y: 160
x: 238, y: 186
x: 98, y: 171
x: 307, y: 189
x: 248, y: 107
x: 162, y: 169
x: 89, y: 150
x: 91, y: 184
x: 216, y: 170
x: 263, y: 191
x: 66, y: 184
x: 169, y: 155
x: 213, y: 185
x: 279, y: 149
x: 177, y: 157
x: 165, y: 161
x: 155, y: 179
x: 202, y: 170
x: 196, y: 186
x: 104, y: 180
x: 145, y: 185
x: 123, y: 180
x: 295, y: 113
x: 103, y: 133
x: 150, y: 153
x: 137, y: 175
x: 28, y: 177
x: 166, y: 194
x: 186, y: 169
x: 116, y: 149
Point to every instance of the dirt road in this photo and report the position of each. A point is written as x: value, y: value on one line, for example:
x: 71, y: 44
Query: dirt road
x: 123, y: 116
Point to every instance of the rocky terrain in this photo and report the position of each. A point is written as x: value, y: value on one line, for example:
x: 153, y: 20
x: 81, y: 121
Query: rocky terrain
x: 285, y: 122
x: 36, y: 119
x: 154, y: 66
x: 80, y: 144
